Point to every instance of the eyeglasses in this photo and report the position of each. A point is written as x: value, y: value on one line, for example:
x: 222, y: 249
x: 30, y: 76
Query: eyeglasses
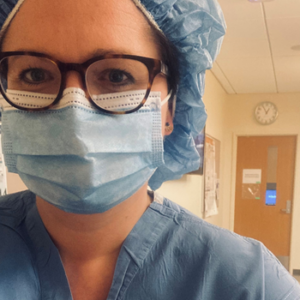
x: 35, y: 81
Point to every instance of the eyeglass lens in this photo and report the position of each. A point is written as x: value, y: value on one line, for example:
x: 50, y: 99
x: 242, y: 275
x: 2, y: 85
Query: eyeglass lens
x: 34, y: 82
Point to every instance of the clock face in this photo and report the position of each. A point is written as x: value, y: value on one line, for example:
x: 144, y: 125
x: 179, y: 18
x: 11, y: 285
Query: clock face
x: 266, y: 113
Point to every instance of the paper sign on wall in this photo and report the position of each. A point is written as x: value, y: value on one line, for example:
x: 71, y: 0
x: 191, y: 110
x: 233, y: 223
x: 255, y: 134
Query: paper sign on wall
x: 252, y: 176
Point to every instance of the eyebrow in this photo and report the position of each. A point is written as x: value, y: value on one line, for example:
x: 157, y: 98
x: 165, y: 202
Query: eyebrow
x: 100, y: 52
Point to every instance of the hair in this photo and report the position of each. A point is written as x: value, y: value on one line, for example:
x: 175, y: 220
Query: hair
x: 169, y: 56
x: 2, y: 37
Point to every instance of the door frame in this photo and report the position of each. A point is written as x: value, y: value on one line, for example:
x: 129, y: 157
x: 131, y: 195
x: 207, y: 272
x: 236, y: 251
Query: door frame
x: 294, y: 243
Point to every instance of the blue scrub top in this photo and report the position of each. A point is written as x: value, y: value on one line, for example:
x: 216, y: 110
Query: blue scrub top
x: 169, y: 255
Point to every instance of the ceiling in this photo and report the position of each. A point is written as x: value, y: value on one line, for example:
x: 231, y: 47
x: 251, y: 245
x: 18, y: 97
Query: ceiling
x: 256, y: 56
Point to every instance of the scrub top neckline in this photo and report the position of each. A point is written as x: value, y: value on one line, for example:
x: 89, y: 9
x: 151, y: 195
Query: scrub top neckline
x: 136, y: 247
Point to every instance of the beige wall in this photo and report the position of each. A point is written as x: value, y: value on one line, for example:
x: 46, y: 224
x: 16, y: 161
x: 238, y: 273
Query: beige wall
x: 14, y: 183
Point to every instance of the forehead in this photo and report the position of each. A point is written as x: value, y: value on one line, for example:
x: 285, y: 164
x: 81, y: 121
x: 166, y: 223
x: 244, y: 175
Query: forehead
x: 71, y: 30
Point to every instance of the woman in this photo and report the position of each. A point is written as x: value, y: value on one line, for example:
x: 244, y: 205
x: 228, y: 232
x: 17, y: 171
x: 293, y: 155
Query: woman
x: 85, y: 121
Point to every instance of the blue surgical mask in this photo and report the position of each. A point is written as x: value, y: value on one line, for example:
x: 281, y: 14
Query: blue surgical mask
x: 79, y: 159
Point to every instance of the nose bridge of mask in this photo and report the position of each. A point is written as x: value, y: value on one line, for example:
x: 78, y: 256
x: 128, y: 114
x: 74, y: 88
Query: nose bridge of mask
x: 26, y: 99
x: 127, y: 100
x: 115, y: 101
x: 30, y: 99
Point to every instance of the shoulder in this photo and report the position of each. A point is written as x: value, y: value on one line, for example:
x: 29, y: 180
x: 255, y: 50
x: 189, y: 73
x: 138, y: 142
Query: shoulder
x: 18, y: 278
x: 224, y: 259
x: 14, y: 207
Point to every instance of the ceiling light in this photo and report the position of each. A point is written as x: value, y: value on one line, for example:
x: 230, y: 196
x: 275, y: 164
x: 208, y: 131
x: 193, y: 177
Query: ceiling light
x: 296, y: 48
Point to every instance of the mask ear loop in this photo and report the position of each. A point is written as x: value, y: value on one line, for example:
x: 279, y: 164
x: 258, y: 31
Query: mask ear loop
x: 174, y: 102
x: 166, y: 99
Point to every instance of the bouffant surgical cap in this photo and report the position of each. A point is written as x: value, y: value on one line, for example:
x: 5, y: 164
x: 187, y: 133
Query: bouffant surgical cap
x: 196, y: 29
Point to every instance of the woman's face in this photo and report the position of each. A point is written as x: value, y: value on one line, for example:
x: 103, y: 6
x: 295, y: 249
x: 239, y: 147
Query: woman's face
x: 74, y: 31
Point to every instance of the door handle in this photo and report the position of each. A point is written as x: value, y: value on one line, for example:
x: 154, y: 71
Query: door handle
x: 287, y: 210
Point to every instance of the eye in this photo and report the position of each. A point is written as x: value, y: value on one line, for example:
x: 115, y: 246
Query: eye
x: 117, y: 76
x: 113, y: 77
x: 35, y: 76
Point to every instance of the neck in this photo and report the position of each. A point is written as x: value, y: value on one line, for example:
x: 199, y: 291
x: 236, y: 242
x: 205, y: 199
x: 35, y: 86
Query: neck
x: 89, y: 237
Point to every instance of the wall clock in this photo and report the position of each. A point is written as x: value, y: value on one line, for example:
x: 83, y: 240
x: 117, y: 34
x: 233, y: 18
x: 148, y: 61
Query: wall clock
x: 266, y: 113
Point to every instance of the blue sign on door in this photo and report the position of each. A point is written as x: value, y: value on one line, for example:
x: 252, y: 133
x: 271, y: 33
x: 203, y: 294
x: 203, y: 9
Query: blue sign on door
x: 270, y: 197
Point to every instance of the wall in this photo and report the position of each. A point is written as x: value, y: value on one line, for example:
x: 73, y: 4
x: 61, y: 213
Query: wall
x: 188, y: 191
x: 240, y: 121
x: 14, y: 183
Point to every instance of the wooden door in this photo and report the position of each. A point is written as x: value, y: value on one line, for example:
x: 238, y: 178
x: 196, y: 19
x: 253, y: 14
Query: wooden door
x: 253, y: 217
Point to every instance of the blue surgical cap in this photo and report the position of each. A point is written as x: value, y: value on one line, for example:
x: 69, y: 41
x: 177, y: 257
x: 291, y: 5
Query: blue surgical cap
x: 196, y: 28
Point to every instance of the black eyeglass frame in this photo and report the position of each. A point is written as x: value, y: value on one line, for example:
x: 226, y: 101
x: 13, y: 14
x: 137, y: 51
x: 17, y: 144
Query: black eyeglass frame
x: 154, y: 67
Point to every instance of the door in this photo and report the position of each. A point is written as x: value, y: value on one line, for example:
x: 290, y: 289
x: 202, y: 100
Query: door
x: 264, y: 191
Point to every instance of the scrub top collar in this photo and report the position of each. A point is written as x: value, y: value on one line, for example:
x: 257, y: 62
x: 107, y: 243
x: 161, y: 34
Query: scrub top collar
x: 49, y: 267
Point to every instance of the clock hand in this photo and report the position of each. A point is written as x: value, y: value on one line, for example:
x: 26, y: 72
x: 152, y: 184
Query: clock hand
x: 264, y: 109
